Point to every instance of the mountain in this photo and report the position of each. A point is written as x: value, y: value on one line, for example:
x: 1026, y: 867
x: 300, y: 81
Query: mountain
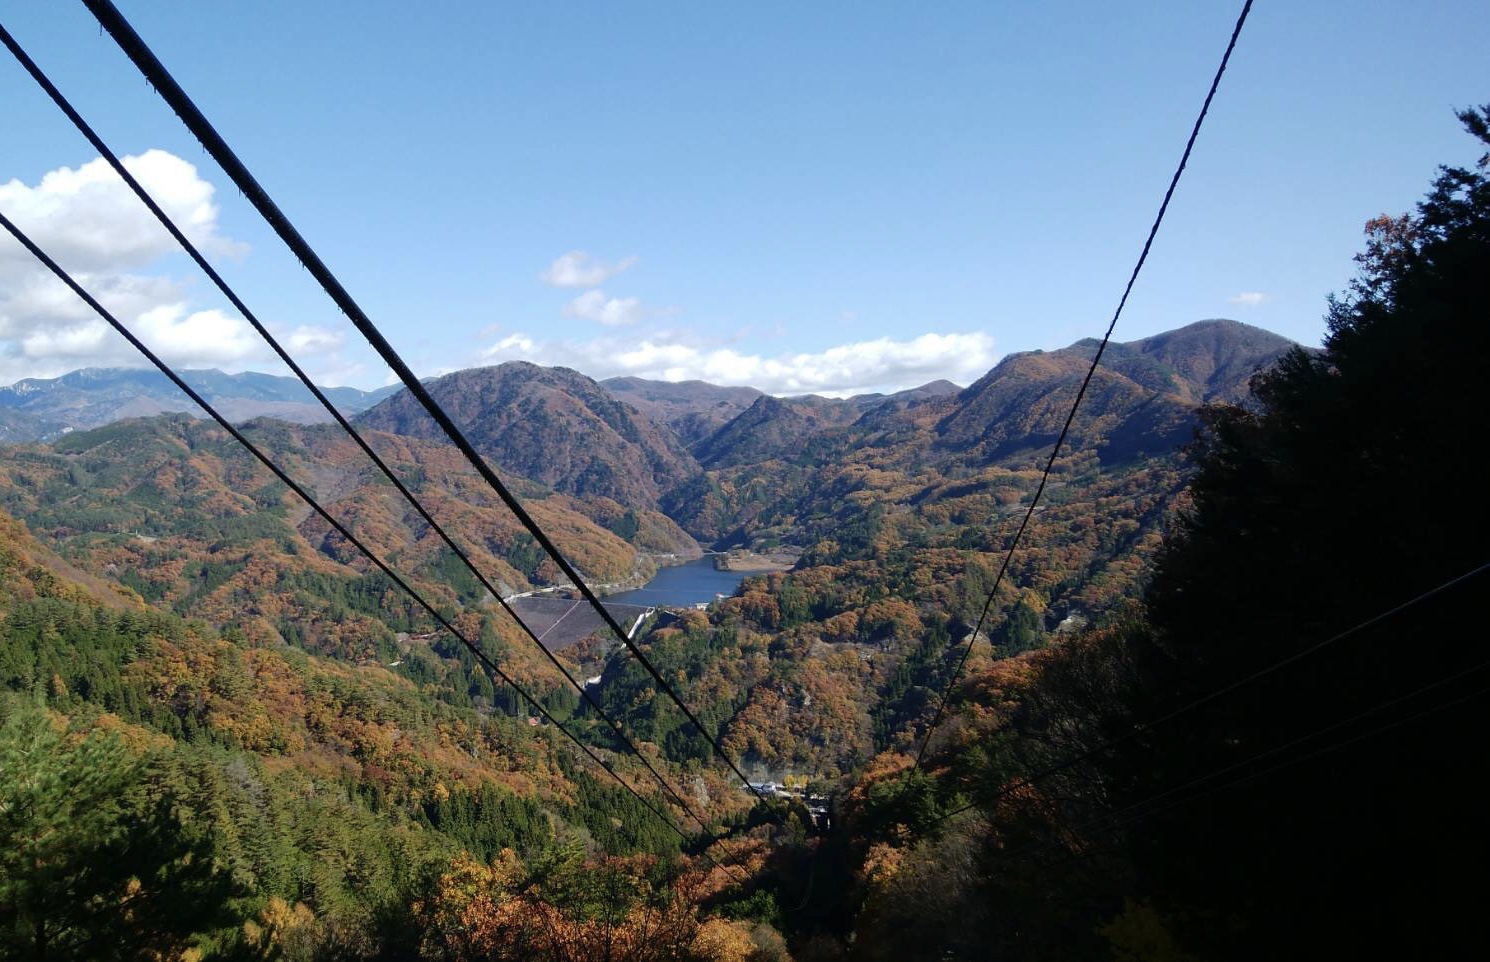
x: 550, y: 425
x: 279, y: 804
x: 1206, y: 361
x: 693, y: 409
x: 175, y: 510
x: 18, y: 426
x: 772, y: 428
x: 1141, y: 398
x: 782, y: 461
x: 898, y: 510
x: 903, y: 508
x: 697, y: 410
x: 914, y: 395
x: 37, y: 408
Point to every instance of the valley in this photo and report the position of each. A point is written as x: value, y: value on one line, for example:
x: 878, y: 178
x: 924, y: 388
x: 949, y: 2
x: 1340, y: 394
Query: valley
x: 735, y: 548
x: 162, y: 589
x: 880, y: 519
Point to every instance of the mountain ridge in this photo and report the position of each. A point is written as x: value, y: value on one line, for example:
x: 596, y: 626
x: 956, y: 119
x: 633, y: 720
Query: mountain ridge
x: 36, y: 409
x: 552, y: 425
x: 1202, y: 361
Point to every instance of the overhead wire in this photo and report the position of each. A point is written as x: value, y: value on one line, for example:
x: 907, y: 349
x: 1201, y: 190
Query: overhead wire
x: 52, y: 91
x: 1081, y: 392
x: 325, y: 515
x: 155, y: 73
x: 1135, y: 812
x: 1144, y: 728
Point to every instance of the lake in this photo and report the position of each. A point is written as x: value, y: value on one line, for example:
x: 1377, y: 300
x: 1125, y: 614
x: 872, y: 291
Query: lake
x: 683, y: 585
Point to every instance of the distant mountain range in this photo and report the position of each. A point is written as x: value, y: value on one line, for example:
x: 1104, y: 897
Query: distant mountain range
x: 725, y: 461
x: 43, y: 408
x: 660, y: 446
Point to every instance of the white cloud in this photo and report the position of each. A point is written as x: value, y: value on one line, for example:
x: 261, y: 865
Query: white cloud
x: 1250, y: 298
x: 307, y: 337
x: 513, y: 344
x: 192, y: 338
x: 578, y: 269
x: 610, y: 311
x: 880, y: 365
x: 92, y: 224
x: 89, y: 220
x: 45, y: 330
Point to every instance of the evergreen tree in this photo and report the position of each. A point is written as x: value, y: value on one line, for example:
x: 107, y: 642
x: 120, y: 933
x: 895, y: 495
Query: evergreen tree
x: 97, y: 860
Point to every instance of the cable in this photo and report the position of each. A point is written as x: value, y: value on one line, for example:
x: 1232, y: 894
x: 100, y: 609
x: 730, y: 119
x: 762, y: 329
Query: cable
x: 1086, y: 381
x: 1148, y: 726
x: 1132, y: 814
x: 98, y: 143
x: 279, y: 473
x: 171, y: 92
x: 1326, y: 730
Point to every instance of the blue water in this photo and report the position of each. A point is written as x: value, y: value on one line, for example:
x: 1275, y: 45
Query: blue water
x: 683, y: 585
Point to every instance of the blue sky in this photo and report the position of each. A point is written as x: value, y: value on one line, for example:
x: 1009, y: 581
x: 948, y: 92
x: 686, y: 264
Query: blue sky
x: 823, y: 197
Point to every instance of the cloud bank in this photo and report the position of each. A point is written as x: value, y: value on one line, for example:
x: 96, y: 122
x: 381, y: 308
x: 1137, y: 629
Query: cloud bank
x: 89, y: 221
x: 861, y: 367
x: 1249, y: 298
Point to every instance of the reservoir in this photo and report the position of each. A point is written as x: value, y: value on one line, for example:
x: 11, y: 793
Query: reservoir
x: 683, y: 585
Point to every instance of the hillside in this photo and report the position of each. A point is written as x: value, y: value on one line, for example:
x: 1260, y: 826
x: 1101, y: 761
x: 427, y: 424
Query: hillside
x: 773, y: 467
x: 193, y: 794
x: 900, y: 506
x: 692, y: 409
x: 550, y: 425
x: 175, y: 510
x: 904, y: 497
x: 901, y: 399
x: 1142, y: 397
x: 39, y: 408
x: 772, y: 428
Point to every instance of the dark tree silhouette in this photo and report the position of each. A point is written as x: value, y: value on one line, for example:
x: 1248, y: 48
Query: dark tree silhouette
x: 1345, y: 487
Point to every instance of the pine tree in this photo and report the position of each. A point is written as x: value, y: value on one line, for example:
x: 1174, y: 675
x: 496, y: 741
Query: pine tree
x: 97, y: 860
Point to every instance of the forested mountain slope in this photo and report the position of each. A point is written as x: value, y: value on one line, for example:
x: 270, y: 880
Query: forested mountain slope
x: 550, y: 425
x: 176, y: 510
x: 1141, y: 400
x: 772, y: 428
x: 693, y: 409
x: 167, y: 792
x: 776, y: 464
x: 899, y: 505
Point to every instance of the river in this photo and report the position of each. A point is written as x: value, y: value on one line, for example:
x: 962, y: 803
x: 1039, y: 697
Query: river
x: 683, y: 585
